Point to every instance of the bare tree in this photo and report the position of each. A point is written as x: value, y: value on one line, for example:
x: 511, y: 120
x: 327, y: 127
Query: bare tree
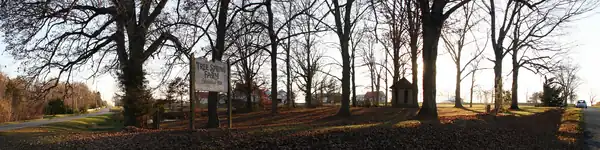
x: 415, y: 23
x: 474, y: 68
x: 356, y: 41
x: 80, y: 33
x: 373, y: 65
x: 531, y: 43
x: 498, y: 35
x: 527, y: 24
x: 251, y: 58
x: 307, y: 62
x: 393, y: 15
x: 274, y: 29
x: 566, y: 76
x: 306, y: 59
x: 343, y: 25
x: 455, y: 39
x: 432, y: 18
x: 592, y: 97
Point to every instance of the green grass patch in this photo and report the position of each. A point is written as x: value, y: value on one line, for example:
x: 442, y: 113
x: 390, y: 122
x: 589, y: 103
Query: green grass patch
x: 58, y: 116
x: 62, y: 131
x: 108, y: 122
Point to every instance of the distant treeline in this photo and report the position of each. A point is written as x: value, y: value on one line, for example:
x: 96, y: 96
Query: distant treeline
x: 23, y: 98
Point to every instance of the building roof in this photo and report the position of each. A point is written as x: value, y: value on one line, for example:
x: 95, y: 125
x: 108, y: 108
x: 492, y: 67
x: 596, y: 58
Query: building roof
x: 373, y: 94
x: 402, y: 84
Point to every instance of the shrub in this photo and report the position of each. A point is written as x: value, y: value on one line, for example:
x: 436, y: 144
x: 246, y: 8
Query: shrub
x: 57, y: 106
x: 5, y: 110
x: 551, y: 95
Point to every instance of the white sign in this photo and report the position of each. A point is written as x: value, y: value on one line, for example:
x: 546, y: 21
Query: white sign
x: 211, y: 76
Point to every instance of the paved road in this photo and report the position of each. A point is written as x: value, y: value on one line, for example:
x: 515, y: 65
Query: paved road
x: 48, y: 121
x: 592, y: 127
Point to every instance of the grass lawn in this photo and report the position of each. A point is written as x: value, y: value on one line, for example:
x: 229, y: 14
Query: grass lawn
x: 319, y: 128
x: 60, y: 131
x: 47, y: 117
x: 43, y: 117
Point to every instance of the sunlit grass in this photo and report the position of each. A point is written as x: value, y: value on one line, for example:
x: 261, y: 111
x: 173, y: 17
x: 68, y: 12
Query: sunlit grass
x: 96, y: 123
x: 354, y: 126
x: 571, y: 125
x: 408, y: 123
x: 116, y: 109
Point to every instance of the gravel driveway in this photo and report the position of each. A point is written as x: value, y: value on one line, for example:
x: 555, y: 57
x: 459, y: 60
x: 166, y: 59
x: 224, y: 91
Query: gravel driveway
x: 592, y: 127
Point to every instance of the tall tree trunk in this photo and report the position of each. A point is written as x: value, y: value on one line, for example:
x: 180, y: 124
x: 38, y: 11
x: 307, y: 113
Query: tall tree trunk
x: 432, y: 25
x: 514, y: 104
x: 498, y: 84
x: 217, y: 54
x: 415, y: 72
x: 413, y: 33
x: 457, y: 98
x: 249, y: 91
x: 396, y: 56
x: 274, y: 43
x: 344, y: 37
x: 472, y: 86
x: 353, y: 79
x: 345, y: 108
x: 134, y: 89
x: 377, y: 90
x: 371, y: 100
x: 386, y: 83
x: 289, y: 79
x: 288, y: 66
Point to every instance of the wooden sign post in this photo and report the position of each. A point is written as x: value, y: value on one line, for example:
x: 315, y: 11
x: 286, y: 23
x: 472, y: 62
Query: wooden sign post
x: 229, y: 122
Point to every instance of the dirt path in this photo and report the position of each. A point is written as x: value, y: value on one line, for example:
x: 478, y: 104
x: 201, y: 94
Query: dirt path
x: 592, y: 127
x: 48, y: 121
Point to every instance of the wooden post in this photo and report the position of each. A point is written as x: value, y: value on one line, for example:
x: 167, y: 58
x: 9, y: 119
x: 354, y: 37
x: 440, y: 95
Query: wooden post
x: 229, y: 122
x: 192, y: 89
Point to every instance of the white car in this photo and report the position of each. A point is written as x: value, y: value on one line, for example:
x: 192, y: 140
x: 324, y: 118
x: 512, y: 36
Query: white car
x: 581, y: 104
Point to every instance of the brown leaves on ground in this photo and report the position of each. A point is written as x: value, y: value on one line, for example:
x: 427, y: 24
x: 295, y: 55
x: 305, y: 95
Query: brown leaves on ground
x: 370, y: 128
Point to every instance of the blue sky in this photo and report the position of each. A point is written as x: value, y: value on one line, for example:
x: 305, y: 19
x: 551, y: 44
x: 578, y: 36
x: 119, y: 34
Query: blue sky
x: 584, y: 33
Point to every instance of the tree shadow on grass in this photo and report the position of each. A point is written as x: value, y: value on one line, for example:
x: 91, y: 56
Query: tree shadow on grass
x: 538, y: 131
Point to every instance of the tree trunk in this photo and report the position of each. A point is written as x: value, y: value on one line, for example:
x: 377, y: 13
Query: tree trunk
x: 377, y: 90
x: 217, y: 54
x: 413, y: 23
x: 498, y: 84
x: 249, y: 91
x: 457, y: 99
x: 353, y: 80
x: 344, y: 37
x: 386, y: 83
x: 274, y: 43
x: 432, y: 25
x: 133, y: 80
x: 288, y: 66
x: 309, y: 78
x: 371, y: 100
x: 289, y: 79
x: 345, y: 108
x: 514, y: 104
x: 213, y: 116
x: 472, y: 85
